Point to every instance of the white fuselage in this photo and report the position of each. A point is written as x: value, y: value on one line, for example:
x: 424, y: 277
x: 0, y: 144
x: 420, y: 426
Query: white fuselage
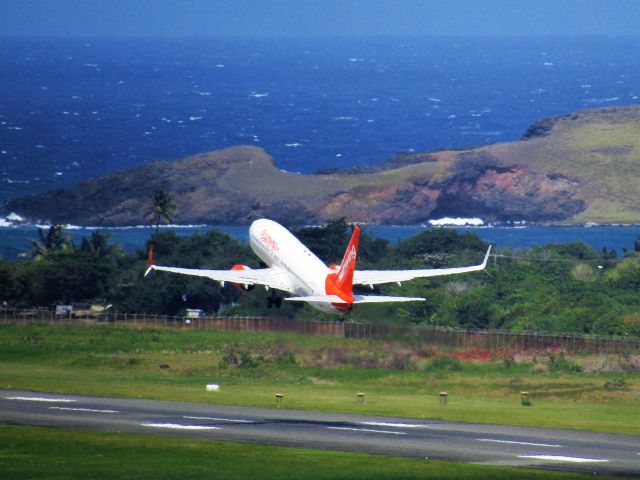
x: 300, y: 269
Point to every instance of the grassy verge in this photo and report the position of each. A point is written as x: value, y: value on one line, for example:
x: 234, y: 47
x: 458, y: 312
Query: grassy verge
x: 316, y: 373
x: 29, y: 452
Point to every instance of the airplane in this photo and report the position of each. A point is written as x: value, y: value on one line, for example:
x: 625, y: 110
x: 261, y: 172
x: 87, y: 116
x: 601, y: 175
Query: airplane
x: 293, y: 268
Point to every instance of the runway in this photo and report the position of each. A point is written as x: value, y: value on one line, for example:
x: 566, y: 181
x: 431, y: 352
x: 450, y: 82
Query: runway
x: 477, y: 443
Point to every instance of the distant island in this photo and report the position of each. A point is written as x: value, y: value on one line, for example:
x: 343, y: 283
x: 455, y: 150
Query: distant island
x: 567, y: 170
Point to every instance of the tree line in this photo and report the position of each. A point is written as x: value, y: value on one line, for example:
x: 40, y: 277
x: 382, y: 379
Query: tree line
x: 568, y: 288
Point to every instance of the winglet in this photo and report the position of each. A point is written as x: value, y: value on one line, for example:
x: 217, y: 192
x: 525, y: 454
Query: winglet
x: 486, y: 257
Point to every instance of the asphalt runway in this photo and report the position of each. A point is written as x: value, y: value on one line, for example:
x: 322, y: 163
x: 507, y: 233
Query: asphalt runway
x: 477, y: 443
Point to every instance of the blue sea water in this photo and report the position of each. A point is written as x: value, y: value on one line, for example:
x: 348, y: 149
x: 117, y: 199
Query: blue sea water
x: 72, y: 109
x: 15, y: 241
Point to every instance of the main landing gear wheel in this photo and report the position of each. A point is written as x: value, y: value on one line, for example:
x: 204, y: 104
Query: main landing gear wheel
x: 274, y: 301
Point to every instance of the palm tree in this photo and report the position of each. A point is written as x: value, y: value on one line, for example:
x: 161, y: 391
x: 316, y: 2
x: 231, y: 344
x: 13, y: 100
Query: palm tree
x: 54, y: 241
x: 163, y: 208
x: 98, y: 244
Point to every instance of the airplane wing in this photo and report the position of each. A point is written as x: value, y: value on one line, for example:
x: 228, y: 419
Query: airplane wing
x: 375, y: 277
x: 269, y: 277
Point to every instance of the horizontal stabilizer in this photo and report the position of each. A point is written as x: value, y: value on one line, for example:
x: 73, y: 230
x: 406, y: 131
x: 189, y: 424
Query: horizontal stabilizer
x: 356, y: 299
x: 317, y: 298
x: 383, y: 299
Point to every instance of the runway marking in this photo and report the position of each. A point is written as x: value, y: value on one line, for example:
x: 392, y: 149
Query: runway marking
x: 215, y: 419
x: 562, y: 458
x: 518, y: 443
x: 367, y: 430
x: 398, y: 425
x: 84, y: 410
x: 41, y: 399
x: 177, y: 426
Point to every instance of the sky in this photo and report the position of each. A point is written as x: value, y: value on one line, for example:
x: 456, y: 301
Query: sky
x: 170, y: 18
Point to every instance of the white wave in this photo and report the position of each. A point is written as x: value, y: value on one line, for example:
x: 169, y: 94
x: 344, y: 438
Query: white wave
x: 482, y: 133
x: 434, y: 99
x: 344, y: 118
x: 193, y: 118
x: 220, y: 65
x: 5, y: 223
x: 93, y: 65
x: 9, y: 180
x: 58, y: 174
x: 585, y: 85
x: 258, y: 95
x: 204, y: 94
x: 458, y: 222
x: 4, y: 152
x: 600, y: 100
x: 548, y: 64
x: 14, y: 217
x: 293, y: 145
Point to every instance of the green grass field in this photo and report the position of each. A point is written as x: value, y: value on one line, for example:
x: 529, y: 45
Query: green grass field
x: 28, y: 453
x: 316, y: 373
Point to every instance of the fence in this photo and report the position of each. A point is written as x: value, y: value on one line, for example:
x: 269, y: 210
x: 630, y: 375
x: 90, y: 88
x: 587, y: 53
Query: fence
x: 457, y: 339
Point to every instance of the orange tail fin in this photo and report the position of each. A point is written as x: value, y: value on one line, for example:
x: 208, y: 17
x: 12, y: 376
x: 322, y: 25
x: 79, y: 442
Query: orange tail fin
x: 341, y: 283
x: 150, y: 259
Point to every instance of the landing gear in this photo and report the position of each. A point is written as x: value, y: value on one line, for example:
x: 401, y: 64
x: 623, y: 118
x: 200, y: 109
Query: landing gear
x: 274, y: 300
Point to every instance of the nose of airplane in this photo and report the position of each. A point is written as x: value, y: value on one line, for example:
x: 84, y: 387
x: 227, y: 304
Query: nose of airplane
x: 258, y: 225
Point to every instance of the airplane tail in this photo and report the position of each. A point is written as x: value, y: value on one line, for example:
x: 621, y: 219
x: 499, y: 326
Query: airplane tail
x: 341, y: 282
x: 150, y: 259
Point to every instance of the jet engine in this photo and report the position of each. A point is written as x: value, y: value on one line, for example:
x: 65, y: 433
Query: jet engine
x: 242, y: 286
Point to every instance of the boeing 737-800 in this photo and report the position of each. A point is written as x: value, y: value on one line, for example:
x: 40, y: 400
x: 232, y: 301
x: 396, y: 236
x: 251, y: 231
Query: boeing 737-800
x: 293, y: 268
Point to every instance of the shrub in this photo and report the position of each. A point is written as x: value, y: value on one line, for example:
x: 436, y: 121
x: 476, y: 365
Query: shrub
x: 560, y: 364
x: 448, y: 364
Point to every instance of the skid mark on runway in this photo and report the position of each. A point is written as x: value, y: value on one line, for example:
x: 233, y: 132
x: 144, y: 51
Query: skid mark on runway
x: 92, y: 410
x: 177, y: 426
x: 518, y: 443
x: 562, y: 458
x: 216, y: 419
x: 396, y: 425
x: 366, y: 430
x: 41, y: 399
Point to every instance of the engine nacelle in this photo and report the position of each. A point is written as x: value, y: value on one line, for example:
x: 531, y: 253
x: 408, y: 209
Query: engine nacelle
x: 244, y: 287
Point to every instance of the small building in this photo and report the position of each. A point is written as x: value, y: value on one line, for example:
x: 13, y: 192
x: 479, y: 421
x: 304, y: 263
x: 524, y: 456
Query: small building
x: 194, y: 313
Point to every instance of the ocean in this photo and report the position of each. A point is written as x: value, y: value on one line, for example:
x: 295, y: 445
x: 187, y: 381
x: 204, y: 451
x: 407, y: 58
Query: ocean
x: 15, y: 241
x: 71, y: 109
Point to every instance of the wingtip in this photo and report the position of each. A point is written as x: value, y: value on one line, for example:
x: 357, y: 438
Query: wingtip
x: 486, y: 256
x: 149, y: 269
